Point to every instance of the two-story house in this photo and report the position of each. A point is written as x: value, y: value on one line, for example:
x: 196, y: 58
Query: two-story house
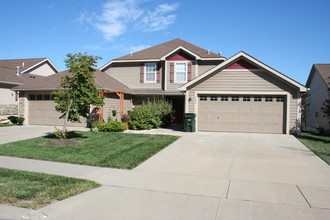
x: 161, y: 70
x: 239, y: 94
x: 16, y: 72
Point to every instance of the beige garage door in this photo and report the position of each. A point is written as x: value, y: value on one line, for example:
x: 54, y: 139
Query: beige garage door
x: 259, y: 114
x: 42, y: 112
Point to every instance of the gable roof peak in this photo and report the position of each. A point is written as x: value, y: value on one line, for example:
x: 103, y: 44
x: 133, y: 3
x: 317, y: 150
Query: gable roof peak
x: 323, y: 69
x: 159, y: 51
x: 251, y: 60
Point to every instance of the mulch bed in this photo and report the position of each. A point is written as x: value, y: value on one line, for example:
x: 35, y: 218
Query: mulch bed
x: 61, y: 142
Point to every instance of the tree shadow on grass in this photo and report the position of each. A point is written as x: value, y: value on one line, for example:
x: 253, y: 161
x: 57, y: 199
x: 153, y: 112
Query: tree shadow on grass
x: 315, y: 138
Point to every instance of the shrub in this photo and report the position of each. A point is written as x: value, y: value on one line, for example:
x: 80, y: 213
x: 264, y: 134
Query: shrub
x: 114, y: 113
x: 60, y: 134
x: 126, y: 118
x: 20, y: 120
x: 151, y: 114
x: 111, y: 126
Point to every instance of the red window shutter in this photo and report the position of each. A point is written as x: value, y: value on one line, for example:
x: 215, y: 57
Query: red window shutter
x: 171, y: 72
x: 159, y: 67
x: 189, y: 71
x: 142, y: 73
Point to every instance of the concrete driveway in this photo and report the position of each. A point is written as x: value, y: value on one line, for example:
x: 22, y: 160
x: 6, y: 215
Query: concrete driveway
x: 17, y: 133
x: 216, y: 176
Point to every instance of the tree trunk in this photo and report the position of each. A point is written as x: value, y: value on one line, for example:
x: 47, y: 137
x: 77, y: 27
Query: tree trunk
x: 67, y: 116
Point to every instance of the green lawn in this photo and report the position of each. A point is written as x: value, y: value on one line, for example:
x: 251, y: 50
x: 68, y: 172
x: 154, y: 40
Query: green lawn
x: 6, y: 125
x: 320, y: 145
x: 104, y: 149
x: 35, y: 190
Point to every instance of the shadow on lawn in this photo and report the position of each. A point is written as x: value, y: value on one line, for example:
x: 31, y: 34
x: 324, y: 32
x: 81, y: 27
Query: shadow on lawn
x: 71, y: 134
x: 315, y: 138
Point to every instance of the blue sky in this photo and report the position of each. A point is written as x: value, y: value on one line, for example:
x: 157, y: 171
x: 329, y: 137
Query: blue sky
x: 288, y: 35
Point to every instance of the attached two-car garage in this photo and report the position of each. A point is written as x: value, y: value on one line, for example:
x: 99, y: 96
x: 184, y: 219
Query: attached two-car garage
x: 241, y: 113
x: 243, y: 94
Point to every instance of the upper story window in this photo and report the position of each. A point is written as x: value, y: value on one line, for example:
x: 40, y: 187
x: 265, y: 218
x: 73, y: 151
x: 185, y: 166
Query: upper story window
x: 150, y: 72
x: 181, y: 72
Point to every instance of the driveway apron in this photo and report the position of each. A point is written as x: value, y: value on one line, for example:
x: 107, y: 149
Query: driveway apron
x: 203, y: 175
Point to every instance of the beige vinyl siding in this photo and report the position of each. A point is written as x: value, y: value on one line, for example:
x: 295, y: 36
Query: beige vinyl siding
x: 42, y: 70
x: 242, y: 81
x: 248, y: 81
x: 204, y: 66
x: 129, y: 74
x: 191, y: 104
x: 7, y: 96
x: 174, y: 86
x: 112, y: 102
x: 317, y: 94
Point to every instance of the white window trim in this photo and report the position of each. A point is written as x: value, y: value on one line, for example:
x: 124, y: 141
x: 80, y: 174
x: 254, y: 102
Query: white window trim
x: 186, y: 62
x: 145, y: 73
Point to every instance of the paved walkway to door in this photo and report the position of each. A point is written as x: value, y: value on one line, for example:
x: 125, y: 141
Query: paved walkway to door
x: 203, y: 175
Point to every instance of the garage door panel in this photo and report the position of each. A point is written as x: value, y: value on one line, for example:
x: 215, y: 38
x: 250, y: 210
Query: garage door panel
x: 42, y: 112
x: 241, y: 116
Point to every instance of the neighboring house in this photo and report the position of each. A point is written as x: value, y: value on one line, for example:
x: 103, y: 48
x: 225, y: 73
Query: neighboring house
x: 239, y: 94
x: 318, y: 83
x: 16, y: 72
x: 38, y: 107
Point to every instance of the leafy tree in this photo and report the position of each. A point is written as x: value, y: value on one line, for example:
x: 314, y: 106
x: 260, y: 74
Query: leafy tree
x: 304, y: 108
x: 78, y: 90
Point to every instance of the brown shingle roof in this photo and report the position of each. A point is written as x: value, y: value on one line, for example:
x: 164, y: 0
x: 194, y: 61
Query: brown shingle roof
x: 324, y: 70
x: 52, y: 82
x: 8, y: 69
x: 160, y: 50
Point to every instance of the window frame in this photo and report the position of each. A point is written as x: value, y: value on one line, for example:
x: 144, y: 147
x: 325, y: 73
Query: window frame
x: 224, y: 98
x: 235, y: 99
x: 145, y: 73
x: 257, y: 99
x: 269, y: 99
x: 213, y: 98
x: 39, y: 97
x: 246, y: 98
x: 175, y: 72
x: 32, y: 97
x: 279, y: 99
x: 203, y: 98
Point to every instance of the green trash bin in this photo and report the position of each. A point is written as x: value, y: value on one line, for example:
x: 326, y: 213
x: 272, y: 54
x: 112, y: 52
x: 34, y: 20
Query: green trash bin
x: 189, y: 122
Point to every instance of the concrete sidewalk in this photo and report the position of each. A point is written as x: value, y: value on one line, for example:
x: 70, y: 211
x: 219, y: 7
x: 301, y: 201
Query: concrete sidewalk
x: 200, y: 176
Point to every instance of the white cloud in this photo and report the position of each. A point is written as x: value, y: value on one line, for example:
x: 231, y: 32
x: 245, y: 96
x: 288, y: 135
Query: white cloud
x: 118, y: 17
x: 159, y: 19
x: 138, y: 48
